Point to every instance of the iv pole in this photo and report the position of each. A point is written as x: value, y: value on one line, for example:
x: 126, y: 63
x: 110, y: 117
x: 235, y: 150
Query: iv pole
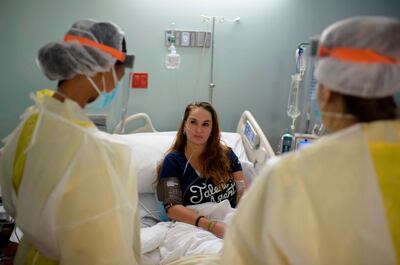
x: 211, y: 85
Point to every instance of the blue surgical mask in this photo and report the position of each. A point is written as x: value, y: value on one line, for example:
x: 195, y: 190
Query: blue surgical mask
x: 105, y: 99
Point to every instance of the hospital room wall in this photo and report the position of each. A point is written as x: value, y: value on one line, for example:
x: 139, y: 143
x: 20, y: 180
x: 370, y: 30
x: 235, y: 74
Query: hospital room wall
x: 253, y: 58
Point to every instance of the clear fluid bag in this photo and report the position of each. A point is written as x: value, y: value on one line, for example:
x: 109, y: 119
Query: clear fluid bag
x: 293, y: 110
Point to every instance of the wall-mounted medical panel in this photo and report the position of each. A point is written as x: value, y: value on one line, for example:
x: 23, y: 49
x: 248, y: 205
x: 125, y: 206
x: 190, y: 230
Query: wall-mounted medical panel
x: 188, y: 38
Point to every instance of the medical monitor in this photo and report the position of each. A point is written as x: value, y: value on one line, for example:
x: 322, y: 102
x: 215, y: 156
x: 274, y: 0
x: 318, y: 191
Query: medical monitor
x: 251, y: 135
x: 303, y: 140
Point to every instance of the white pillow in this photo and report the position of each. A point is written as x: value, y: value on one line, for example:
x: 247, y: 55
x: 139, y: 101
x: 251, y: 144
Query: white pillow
x: 234, y: 141
x: 150, y: 148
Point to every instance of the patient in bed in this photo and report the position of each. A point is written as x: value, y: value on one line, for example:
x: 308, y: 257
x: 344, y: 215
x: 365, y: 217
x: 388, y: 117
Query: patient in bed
x: 199, y: 169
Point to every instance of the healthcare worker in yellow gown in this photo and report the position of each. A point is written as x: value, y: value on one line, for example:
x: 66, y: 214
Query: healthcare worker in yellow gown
x: 336, y: 201
x: 71, y: 188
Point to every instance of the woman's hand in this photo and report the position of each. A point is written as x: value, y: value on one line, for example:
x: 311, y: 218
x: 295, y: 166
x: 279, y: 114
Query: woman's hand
x: 218, y: 229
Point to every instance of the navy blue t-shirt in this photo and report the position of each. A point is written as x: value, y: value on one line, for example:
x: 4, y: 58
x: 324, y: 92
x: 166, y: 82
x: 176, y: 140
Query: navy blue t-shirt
x: 196, y: 189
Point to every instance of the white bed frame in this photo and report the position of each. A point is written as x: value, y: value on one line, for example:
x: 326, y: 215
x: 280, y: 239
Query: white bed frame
x: 147, y: 127
x: 257, y: 147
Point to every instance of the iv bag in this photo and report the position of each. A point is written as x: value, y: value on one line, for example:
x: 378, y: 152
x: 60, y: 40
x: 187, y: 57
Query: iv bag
x: 172, y: 59
x: 293, y: 110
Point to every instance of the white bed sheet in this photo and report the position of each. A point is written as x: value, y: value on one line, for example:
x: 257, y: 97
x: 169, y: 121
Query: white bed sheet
x: 164, y: 242
x: 168, y: 241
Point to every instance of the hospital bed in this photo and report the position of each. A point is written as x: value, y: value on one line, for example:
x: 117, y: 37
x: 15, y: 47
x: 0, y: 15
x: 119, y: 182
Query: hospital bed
x: 149, y: 147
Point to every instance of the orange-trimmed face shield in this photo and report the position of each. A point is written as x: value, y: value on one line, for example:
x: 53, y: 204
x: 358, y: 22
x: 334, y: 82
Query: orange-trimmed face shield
x: 126, y: 59
x: 356, y: 55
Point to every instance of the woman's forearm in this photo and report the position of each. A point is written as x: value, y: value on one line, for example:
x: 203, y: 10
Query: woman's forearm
x: 182, y: 214
x: 241, y: 183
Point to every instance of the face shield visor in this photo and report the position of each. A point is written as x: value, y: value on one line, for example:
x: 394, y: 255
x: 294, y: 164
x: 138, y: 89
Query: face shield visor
x: 358, y: 71
x: 109, y: 110
x: 125, y: 94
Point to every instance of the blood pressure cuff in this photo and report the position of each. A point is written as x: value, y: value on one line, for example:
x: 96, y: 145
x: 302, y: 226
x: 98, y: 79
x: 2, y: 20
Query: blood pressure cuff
x: 169, y: 191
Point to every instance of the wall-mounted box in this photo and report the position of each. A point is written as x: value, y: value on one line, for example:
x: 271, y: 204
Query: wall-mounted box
x: 139, y: 80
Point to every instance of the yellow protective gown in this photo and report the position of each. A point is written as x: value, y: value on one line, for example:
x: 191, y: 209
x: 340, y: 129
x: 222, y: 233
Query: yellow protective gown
x: 71, y: 189
x: 335, y: 202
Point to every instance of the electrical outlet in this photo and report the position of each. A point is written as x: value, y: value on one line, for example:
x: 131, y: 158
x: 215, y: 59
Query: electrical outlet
x: 185, y: 38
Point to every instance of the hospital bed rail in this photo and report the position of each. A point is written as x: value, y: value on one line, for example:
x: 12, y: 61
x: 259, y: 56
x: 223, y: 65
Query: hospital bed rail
x: 257, y: 147
x: 147, y: 127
